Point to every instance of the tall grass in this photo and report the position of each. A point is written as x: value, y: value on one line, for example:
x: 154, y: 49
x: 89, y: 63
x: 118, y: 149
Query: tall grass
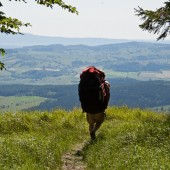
x: 128, y: 139
x: 37, y: 140
x: 131, y: 139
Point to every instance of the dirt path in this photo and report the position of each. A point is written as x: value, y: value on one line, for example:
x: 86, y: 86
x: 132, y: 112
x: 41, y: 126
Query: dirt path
x: 73, y: 160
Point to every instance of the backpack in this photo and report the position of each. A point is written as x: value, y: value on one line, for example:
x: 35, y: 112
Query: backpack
x: 94, y: 91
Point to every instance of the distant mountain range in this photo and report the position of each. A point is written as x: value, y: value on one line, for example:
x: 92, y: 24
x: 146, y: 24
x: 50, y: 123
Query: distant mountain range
x: 17, y: 41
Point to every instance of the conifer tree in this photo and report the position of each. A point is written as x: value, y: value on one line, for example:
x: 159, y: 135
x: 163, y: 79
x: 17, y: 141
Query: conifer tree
x: 157, y: 22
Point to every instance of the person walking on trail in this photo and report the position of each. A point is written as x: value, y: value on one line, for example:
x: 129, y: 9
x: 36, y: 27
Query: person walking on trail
x: 94, y: 95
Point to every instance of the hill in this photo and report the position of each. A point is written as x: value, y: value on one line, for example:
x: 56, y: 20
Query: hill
x: 59, y: 64
x: 128, y: 139
x: 17, y: 41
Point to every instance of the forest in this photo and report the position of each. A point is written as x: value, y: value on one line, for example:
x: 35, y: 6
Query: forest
x: 130, y: 92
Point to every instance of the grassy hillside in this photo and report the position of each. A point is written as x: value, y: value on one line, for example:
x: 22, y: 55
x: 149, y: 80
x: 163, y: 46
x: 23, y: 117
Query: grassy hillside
x: 128, y: 139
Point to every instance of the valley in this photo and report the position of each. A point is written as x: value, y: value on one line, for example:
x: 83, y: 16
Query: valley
x: 61, y: 65
x: 45, y: 77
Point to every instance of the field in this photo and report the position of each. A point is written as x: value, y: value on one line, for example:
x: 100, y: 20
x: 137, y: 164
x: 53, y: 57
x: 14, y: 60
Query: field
x: 162, y: 109
x: 129, y: 139
x: 18, y: 103
x: 74, y: 78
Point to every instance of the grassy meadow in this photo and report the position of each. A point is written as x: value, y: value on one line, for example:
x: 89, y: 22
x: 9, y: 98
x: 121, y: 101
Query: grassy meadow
x: 128, y: 139
x: 17, y: 103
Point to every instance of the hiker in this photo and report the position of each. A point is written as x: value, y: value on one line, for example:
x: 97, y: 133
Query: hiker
x: 94, y: 94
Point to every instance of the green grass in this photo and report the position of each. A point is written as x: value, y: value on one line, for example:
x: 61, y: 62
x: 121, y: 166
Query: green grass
x: 116, y: 74
x: 128, y: 139
x: 131, y: 139
x: 37, y: 140
x: 17, y: 103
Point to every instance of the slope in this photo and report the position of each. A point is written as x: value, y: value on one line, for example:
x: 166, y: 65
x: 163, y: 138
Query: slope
x: 128, y: 139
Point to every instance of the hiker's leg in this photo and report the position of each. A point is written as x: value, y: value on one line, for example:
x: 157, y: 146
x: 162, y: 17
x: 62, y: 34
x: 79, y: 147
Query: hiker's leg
x: 99, y: 120
x: 91, y: 131
x: 95, y: 121
x: 91, y: 127
x: 97, y: 126
x: 91, y: 122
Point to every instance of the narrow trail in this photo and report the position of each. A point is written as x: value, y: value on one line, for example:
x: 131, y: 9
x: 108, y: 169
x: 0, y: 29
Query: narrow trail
x: 73, y: 160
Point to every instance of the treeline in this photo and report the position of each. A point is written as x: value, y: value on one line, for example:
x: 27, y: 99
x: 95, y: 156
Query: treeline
x: 143, y: 94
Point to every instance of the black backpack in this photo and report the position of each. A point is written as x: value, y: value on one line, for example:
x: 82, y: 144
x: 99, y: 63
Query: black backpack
x: 94, y: 91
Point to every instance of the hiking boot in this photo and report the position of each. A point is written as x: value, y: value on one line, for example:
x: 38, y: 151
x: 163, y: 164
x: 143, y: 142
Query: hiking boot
x: 93, y: 135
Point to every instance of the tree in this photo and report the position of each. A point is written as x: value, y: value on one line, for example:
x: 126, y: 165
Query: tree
x: 9, y: 25
x: 157, y: 22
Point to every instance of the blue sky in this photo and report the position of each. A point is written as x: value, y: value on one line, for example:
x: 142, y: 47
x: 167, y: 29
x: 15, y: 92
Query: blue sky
x: 113, y: 19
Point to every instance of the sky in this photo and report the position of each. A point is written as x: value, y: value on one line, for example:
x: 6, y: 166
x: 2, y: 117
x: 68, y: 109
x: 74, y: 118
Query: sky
x: 114, y: 19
